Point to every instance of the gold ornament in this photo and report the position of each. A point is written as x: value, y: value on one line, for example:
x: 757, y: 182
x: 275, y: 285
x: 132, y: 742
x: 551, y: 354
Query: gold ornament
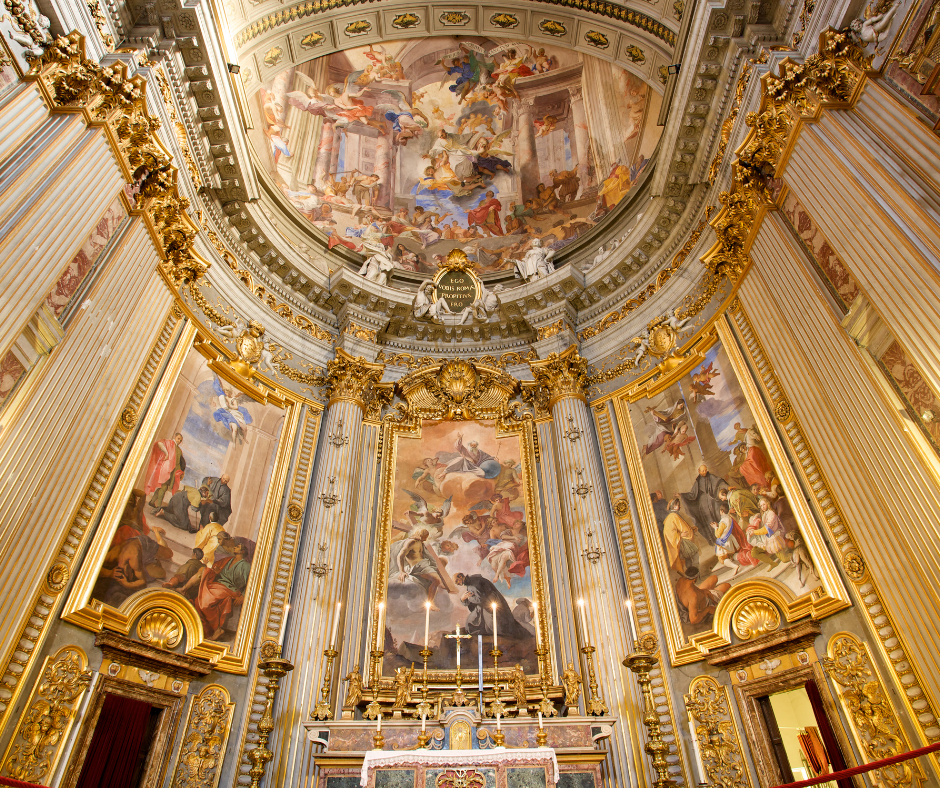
x: 207, y: 730
x: 782, y: 411
x: 294, y: 512
x: 360, y: 332
x: 349, y: 377
x: 128, y: 418
x: 460, y: 778
x: 561, y: 375
x: 854, y: 566
x: 456, y: 260
x: 160, y: 628
x: 755, y: 617
x: 544, y: 332
x: 57, y: 577
x: 43, y: 729
x: 621, y: 508
x: 719, y: 744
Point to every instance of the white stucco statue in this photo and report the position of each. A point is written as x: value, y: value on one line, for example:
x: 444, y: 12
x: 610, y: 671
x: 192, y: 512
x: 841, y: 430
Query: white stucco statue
x: 424, y: 305
x: 376, y: 267
x: 871, y: 29
x: 535, y: 263
x: 598, y: 258
x: 487, y: 303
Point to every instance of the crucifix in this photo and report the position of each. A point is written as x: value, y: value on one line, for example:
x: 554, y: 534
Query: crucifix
x: 460, y: 698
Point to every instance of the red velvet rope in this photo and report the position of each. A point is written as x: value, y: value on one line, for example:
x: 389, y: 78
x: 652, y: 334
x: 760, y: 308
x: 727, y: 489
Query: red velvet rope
x: 865, y: 767
x: 18, y: 783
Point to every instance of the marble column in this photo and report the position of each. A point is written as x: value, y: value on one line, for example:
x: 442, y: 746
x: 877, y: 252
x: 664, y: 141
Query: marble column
x: 582, y: 140
x: 384, y: 158
x: 324, y: 152
x: 527, y: 162
x: 601, y: 621
x: 332, y: 511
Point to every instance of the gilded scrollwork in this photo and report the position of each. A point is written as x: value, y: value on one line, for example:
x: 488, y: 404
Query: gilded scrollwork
x: 207, y: 730
x: 870, y: 712
x: 561, y: 374
x: 43, y: 728
x: 719, y: 743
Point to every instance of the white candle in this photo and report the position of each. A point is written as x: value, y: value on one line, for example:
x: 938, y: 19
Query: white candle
x: 494, y: 628
x: 540, y: 720
x: 497, y: 722
x: 427, y: 623
x: 633, y: 637
x: 538, y: 628
x: 699, y: 766
x: 280, y: 638
x: 335, y: 625
x: 423, y: 721
x: 580, y: 623
x: 378, y: 724
x: 380, y: 629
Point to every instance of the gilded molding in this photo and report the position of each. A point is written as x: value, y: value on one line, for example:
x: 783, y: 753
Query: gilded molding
x: 552, y: 330
x: 204, y: 740
x: 561, y: 375
x: 717, y: 734
x: 350, y: 378
x: 600, y: 7
x: 841, y: 538
x: 876, y: 727
x: 412, y: 362
x: 43, y: 728
x: 18, y: 660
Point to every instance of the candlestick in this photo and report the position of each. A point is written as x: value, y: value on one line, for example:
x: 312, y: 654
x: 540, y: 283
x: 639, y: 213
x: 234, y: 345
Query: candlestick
x: 322, y: 710
x: 540, y: 719
x: 633, y: 637
x: 378, y: 724
x: 335, y: 625
x: 458, y: 648
x: 427, y: 621
x: 274, y: 669
x: 378, y: 740
x: 595, y: 704
x: 374, y: 671
x: 495, y: 638
x: 425, y: 655
x: 641, y: 665
x: 498, y: 724
x: 546, y: 707
x: 541, y: 738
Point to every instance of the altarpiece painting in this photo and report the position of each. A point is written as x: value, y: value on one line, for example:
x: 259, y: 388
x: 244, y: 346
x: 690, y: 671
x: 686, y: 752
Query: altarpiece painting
x: 190, y: 521
x: 721, y: 506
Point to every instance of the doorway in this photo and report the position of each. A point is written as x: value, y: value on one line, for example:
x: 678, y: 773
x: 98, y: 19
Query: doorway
x: 125, y: 736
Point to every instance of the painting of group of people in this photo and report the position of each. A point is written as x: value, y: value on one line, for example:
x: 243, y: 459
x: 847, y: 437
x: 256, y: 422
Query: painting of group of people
x: 428, y: 144
x: 458, y: 543
x: 188, y: 526
x: 721, y: 512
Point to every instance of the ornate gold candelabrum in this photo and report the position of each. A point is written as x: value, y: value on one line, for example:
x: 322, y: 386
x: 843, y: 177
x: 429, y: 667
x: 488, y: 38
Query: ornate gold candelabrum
x: 424, y: 708
x: 322, y: 710
x: 496, y: 654
x: 545, y: 705
x: 426, y: 654
x: 641, y: 664
x: 376, y: 655
x: 595, y: 704
x: 274, y: 669
x: 460, y: 697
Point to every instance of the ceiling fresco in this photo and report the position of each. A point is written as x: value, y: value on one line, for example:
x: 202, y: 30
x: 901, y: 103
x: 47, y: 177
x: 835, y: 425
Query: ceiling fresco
x: 421, y: 146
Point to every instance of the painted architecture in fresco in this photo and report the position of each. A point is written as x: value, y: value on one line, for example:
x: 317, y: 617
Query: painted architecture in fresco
x: 425, y: 145
x: 191, y: 523
x: 459, y: 540
x: 720, y: 509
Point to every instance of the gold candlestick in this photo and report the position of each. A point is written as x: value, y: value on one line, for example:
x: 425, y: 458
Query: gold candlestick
x: 499, y: 738
x: 376, y: 655
x: 322, y: 710
x: 460, y: 697
x: 496, y: 654
x: 641, y: 664
x: 595, y: 704
x: 378, y: 741
x: 545, y: 705
x: 274, y: 669
x: 426, y: 654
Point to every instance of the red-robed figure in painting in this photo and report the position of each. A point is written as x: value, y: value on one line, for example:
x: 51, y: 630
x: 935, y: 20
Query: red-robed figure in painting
x: 486, y: 215
x: 222, y: 587
x: 756, y: 468
x: 165, y: 469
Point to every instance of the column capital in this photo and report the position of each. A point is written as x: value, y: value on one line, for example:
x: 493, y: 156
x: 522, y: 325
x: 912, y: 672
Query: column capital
x: 351, y: 378
x: 561, y: 375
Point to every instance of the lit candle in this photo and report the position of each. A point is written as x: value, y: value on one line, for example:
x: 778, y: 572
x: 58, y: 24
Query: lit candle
x: 427, y: 622
x: 633, y: 637
x: 538, y: 628
x: 280, y: 638
x: 378, y: 724
x: 540, y: 720
x: 480, y: 667
x: 423, y: 721
x: 497, y: 722
x: 335, y: 625
x: 380, y: 629
x: 494, y: 628
x: 699, y: 766
x: 581, y: 627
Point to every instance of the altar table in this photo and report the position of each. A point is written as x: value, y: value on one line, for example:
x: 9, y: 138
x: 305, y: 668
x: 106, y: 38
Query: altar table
x: 532, y: 768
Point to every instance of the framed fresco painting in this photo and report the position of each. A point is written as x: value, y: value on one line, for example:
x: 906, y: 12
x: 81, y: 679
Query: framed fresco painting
x: 458, y: 546
x: 720, y: 505
x: 190, y: 523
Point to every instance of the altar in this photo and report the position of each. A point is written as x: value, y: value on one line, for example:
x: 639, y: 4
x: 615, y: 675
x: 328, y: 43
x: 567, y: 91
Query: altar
x: 535, y: 768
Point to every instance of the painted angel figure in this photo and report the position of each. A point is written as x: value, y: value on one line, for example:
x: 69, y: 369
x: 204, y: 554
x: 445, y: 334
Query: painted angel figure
x: 702, y: 382
x: 402, y: 116
x: 432, y: 517
x: 231, y: 414
x: 349, y: 107
x: 666, y: 423
x: 313, y: 102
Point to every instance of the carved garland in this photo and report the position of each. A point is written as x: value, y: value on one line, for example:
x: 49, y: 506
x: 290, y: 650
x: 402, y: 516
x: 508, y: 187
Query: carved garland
x: 207, y: 730
x: 719, y: 742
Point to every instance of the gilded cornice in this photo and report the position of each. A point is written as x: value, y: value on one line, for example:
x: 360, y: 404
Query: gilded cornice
x: 350, y: 378
x: 600, y: 7
x: 560, y: 375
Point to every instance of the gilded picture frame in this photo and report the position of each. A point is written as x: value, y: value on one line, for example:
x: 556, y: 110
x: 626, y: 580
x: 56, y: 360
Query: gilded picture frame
x: 428, y: 406
x: 88, y: 612
x: 827, y: 597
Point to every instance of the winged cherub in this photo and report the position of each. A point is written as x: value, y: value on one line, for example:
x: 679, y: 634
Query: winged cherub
x: 666, y: 423
x: 432, y: 517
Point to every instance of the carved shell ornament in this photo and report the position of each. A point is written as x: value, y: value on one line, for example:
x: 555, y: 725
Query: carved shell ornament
x: 459, y: 380
x: 755, y: 617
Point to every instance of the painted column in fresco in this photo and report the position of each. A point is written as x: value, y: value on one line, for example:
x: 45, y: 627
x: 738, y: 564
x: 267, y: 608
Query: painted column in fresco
x: 601, y: 620
x: 384, y: 157
x: 582, y: 139
x: 527, y: 158
x: 324, y: 153
x: 327, y: 523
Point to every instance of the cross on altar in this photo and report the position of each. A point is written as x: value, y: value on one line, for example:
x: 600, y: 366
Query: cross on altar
x: 458, y: 637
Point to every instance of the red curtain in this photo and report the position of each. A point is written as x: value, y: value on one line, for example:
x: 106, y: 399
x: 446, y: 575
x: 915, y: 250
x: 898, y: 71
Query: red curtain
x: 825, y: 731
x: 115, y: 746
x: 9, y: 781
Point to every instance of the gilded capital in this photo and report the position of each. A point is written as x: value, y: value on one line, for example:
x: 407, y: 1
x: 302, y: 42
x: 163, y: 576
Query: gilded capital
x: 561, y: 375
x: 352, y: 378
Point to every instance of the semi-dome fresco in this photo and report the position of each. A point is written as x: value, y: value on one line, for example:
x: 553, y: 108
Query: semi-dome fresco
x: 424, y: 145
